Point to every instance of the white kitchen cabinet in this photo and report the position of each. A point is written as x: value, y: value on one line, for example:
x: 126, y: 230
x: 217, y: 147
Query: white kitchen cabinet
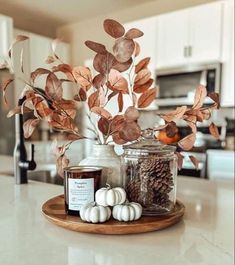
x: 172, y: 39
x: 227, y: 87
x: 6, y: 36
x: 40, y: 48
x: 192, y: 35
x: 205, y: 31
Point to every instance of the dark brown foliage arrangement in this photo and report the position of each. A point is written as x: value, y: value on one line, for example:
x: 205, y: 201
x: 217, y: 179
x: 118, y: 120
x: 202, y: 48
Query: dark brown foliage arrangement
x: 118, y: 75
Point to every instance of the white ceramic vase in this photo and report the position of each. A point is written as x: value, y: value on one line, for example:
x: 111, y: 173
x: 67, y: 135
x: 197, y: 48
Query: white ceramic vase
x: 105, y: 156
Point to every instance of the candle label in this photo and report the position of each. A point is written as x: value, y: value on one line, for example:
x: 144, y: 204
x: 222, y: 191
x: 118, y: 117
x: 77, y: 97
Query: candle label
x: 81, y: 191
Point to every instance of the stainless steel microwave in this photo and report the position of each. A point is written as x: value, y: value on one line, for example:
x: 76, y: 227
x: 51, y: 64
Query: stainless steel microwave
x: 177, y: 85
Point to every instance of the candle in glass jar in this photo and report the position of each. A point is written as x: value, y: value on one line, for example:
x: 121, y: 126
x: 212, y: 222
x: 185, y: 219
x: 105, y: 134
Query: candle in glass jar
x: 80, y: 185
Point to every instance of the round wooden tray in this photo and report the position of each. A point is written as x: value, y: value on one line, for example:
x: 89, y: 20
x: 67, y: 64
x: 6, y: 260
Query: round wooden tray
x: 54, y: 211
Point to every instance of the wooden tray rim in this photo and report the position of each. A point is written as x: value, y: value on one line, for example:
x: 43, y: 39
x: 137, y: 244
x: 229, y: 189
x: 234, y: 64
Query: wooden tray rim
x: 152, y: 222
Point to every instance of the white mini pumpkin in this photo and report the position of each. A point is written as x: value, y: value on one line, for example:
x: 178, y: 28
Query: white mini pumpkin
x: 110, y: 197
x: 127, y: 212
x: 93, y: 213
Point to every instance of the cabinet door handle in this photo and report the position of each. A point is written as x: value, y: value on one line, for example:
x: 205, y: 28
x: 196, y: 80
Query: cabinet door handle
x: 185, y: 51
x: 190, y: 50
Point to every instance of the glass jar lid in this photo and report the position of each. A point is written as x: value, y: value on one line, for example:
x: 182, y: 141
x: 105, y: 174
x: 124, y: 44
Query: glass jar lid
x: 149, y: 144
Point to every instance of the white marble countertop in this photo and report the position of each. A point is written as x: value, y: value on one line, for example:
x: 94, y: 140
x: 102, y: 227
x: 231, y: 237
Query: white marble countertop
x: 205, y: 236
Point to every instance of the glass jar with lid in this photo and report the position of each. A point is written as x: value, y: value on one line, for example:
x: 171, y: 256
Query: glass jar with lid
x: 149, y: 169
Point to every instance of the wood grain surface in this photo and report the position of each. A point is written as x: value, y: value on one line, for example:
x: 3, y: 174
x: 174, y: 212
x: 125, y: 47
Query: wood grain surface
x: 54, y: 211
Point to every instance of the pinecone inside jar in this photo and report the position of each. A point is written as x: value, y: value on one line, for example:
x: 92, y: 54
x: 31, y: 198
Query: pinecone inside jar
x: 152, y: 182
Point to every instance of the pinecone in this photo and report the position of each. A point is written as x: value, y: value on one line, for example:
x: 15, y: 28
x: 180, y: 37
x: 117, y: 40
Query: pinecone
x: 162, y: 199
x: 133, y: 190
x: 150, y: 182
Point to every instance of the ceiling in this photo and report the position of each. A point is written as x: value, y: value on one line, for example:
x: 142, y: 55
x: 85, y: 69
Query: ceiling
x: 49, y: 14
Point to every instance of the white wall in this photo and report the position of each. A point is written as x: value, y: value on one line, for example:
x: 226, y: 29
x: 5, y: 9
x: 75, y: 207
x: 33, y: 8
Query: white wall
x: 92, y: 29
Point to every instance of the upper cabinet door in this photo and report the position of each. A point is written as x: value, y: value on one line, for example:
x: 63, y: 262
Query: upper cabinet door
x: 148, y: 41
x: 172, y: 39
x: 6, y: 36
x: 40, y: 48
x: 205, y: 23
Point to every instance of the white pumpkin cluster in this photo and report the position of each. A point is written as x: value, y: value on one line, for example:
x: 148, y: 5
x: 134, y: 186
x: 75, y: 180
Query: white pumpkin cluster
x: 99, y: 211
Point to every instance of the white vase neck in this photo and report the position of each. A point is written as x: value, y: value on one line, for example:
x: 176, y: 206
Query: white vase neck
x: 103, y: 149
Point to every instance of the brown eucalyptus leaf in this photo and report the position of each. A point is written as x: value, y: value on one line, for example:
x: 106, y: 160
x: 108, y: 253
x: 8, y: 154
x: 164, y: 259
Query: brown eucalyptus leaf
x: 98, y: 81
x: 38, y: 72
x: 122, y: 67
x: 82, y: 94
x: 101, y: 112
x: 142, y: 77
x: 134, y: 33
x: 62, y: 122
x: 190, y: 118
x: 29, y: 127
x: 215, y: 97
x: 120, y: 102
x: 123, y: 49
x: 199, y: 97
x: 134, y: 99
x: 174, y: 115
x: 142, y: 64
x: 192, y: 125
x: 18, y: 110
x: 103, y: 125
x: 194, y: 161
x: 50, y: 59
x: 53, y: 87
x: 117, y: 139
x: 83, y: 76
x: 102, y: 97
x: 111, y: 95
x: 117, y: 82
x: 130, y: 131
x: 64, y: 68
x: 103, y: 63
x: 61, y: 163
x: 73, y: 137
x: 180, y: 159
x: 43, y: 111
x: 187, y: 142
x: 196, y: 113
x: 147, y: 98
x: 132, y: 113
x: 117, y: 123
x: 142, y: 88
x: 96, y: 47
x: 19, y: 38
x: 171, y: 129
x: 65, y: 105
x: 4, y: 88
x: 206, y: 114
x: 93, y: 100
x: 214, y: 130
x: 137, y: 49
x: 113, y: 28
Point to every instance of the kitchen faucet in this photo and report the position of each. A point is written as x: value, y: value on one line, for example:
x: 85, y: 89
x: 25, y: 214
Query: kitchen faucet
x: 21, y: 164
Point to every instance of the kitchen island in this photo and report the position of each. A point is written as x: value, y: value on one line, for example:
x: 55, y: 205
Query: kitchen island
x: 205, y: 236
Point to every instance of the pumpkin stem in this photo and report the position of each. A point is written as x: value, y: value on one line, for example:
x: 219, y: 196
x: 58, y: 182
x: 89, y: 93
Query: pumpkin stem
x: 108, y: 186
